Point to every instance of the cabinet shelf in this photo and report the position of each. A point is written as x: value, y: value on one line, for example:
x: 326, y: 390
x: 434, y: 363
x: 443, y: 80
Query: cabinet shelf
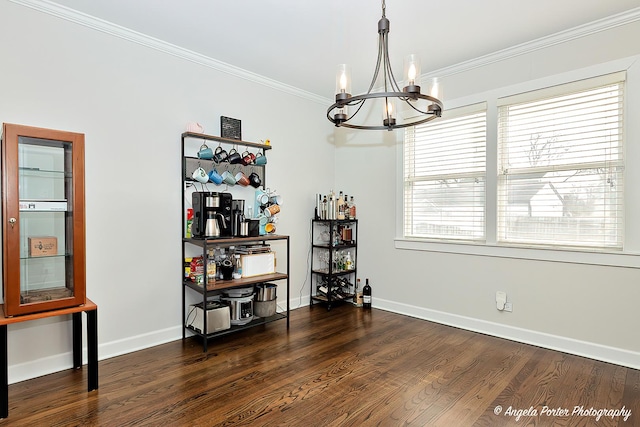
x: 236, y: 283
x: 333, y: 273
x: 236, y: 328
x: 225, y: 140
x: 44, y: 205
x: 43, y: 257
x: 340, y: 246
x: 221, y: 241
x: 323, y: 298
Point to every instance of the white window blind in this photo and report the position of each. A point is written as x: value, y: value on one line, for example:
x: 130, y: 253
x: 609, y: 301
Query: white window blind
x: 561, y: 165
x: 444, y: 176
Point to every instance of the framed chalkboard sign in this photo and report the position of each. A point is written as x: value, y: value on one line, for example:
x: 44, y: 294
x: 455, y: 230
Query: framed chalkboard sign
x: 230, y: 128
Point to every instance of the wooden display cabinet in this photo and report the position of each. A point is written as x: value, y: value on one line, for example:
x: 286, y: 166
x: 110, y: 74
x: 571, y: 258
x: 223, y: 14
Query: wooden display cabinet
x: 43, y: 212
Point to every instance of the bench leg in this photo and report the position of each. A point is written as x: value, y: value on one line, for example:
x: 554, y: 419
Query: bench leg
x: 92, y: 348
x: 4, y: 374
x: 76, y: 320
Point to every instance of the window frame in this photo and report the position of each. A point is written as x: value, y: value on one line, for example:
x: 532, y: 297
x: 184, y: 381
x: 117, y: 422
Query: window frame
x: 506, y: 175
x: 473, y: 94
x: 451, y: 114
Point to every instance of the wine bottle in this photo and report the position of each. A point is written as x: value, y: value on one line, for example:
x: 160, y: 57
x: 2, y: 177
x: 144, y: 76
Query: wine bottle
x: 366, y: 295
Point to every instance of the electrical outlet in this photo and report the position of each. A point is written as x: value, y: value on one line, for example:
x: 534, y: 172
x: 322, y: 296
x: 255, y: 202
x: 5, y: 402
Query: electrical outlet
x: 508, y: 307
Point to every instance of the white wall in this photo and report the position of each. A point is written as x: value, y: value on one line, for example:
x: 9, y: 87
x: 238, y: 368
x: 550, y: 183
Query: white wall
x: 133, y: 102
x: 577, y: 306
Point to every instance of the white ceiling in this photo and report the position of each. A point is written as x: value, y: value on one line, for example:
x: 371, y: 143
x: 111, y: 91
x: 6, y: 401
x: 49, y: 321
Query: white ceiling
x: 300, y: 42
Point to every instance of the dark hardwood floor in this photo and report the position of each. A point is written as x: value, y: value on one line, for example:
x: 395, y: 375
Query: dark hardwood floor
x: 345, y: 367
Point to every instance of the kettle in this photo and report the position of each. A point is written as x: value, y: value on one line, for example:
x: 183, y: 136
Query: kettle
x: 212, y: 225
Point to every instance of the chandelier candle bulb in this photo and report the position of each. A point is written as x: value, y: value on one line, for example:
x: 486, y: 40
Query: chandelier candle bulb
x: 412, y: 73
x: 388, y: 115
x: 343, y: 82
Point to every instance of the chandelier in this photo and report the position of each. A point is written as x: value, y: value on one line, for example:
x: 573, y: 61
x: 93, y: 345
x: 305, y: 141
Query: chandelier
x: 425, y: 107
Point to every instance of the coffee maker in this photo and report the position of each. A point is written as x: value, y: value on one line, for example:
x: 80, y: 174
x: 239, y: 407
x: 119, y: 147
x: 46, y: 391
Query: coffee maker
x: 211, y: 214
x: 237, y: 218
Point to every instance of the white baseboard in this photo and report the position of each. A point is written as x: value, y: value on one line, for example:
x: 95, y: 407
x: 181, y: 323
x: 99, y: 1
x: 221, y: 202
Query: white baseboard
x: 63, y: 361
x: 567, y: 345
x: 60, y: 362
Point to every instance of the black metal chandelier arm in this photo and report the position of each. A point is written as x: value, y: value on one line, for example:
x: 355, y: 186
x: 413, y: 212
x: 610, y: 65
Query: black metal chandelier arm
x: 398, y: 94
x: 387, y: 62
x: 405, y: 125
x: 432, y: 110
x: 377, y: 70
x: 432, y: 113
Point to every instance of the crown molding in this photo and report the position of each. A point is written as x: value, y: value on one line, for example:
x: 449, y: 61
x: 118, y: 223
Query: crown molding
x: 110, y: 28
x: 92, y: 22
x: 585, y: 30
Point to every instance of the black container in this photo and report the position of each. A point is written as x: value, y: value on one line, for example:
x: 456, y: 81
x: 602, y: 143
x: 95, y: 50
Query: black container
x: 254, y: 227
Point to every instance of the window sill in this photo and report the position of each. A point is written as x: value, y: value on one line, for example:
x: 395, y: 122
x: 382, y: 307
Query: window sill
x: 611, y: 259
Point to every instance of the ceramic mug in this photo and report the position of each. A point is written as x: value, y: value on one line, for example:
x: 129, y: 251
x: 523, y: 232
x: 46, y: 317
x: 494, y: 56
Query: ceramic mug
x: 215, y: 177
x: 234, y: 157
x: 200, y: 175
x: 220, y: 155
x: 205, y: 152
x: 260, y: 159
x: 261, y: 196
x: 262, y: 219
x: 270, y: 228
x: 248, y: 158
x: 229, y: 178
x: 242, y: 179
x: 269, y: 211
x: 276, y: 198
x: 254, y: 180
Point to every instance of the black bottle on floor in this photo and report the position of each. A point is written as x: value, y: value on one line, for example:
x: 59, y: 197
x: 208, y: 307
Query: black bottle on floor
x: 366, y: 295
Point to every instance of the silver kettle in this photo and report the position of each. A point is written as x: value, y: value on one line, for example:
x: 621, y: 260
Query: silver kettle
x: 212, y: 225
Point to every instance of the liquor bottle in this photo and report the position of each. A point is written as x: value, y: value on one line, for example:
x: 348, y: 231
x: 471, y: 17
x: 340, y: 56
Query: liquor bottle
x: 347, y: 208
x: 348, y: 263
x: 366, y: 295
x: 323, y: 211
x: 211, y: 267
x: 318, y: 207
x: 340, y: 206
x: 331, y: 207
x: 352, y: 209
x: 357, y: 296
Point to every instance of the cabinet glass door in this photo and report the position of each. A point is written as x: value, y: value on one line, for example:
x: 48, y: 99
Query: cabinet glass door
x: 46, y: 272
x: 46, y: 225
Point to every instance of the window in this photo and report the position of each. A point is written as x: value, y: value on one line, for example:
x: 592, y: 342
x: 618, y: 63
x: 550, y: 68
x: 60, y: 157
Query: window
x: 561, y: 165
x: 444, y: 176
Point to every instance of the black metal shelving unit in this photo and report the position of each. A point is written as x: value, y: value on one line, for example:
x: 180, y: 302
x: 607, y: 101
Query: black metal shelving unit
x: 323, y: 271
x: 209, y: 290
